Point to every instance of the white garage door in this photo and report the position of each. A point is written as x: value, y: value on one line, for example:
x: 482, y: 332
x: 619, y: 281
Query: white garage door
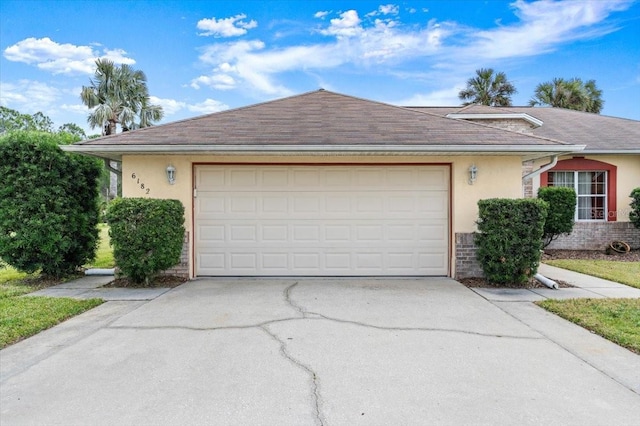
x: 321, y: 220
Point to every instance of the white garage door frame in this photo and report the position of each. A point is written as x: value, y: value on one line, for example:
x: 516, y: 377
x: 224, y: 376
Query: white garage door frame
x: 398, y: 220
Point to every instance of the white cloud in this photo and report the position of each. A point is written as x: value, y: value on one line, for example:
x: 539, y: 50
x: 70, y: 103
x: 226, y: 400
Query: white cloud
x: 250, y: 63
x: 172, y: 106
x: 28, y: 96
x: 169, y: 106
x: 348, y: 25
x: 215, y: 81
x: 386, y: 9
x: 389, y: 9
x: 436, y: 98
x: 542, y: 26
x: 226, y: 27
x: 382, y: 44
x: 209, y: 106
x: 58, y: 58
x: 75, y: 108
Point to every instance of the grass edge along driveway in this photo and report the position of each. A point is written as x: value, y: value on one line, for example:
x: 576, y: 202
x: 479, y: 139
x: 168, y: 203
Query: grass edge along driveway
x: 22, y: 317
x: 617, y: 320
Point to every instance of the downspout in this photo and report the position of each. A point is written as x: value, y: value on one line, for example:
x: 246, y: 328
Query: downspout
x: 546, y: 281
x: 554, y: 160
x: 542, y: 169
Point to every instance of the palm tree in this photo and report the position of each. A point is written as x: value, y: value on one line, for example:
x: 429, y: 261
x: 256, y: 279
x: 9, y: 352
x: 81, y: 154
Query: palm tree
x: 570, y: 94
x: 488, y: 88
x: 119, y: 95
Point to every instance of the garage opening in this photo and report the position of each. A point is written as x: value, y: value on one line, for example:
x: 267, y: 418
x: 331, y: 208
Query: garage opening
x: 312, y: 220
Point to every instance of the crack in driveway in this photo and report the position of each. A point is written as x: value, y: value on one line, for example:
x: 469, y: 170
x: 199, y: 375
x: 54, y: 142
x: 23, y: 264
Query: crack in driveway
x: 314, y: 377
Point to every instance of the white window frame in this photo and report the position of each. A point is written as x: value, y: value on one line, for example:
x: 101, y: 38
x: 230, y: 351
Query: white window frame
x: 576, y: 174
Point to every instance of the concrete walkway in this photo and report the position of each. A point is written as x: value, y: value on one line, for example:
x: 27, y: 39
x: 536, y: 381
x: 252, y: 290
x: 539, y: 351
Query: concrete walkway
x: 318, y: 352
x: 585, y: 286
x: 90, y: 287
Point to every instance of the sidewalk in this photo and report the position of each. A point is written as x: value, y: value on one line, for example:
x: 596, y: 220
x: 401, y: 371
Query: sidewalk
x: 585, y: 286
x: 90, y: 287
x: 619, y: 364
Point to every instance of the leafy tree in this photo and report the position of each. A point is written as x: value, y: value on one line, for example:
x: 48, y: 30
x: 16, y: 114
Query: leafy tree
x: 569, y: 94
x: 48, y: 204
x: 12, y: 120
x: 72, y: 129
x: 41, y: 122
x: 488, y: 88
x: 118, y: 95
x: 560, y: 214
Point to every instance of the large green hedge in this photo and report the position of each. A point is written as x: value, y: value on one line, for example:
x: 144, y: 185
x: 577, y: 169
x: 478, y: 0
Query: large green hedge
x: 509, y: 238
x: 48, y: 204
x: 561, y: 214
x: 146, y: 235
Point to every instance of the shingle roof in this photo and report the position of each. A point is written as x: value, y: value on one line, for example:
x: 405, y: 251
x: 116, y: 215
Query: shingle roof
x: 599, y: 133
x: 321, y: 118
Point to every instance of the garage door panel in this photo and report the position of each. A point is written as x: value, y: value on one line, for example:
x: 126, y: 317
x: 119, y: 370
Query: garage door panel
x: 321, y: 220
x: 300, y: 234
x: 315, y: 205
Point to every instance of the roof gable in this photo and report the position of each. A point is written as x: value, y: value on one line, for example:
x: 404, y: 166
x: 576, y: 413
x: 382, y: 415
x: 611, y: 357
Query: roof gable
x: 321, y: 118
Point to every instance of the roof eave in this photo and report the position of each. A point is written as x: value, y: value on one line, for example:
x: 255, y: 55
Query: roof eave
x: 115, y: 152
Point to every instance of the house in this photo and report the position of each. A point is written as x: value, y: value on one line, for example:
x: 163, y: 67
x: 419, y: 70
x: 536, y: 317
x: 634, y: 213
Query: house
x: 603, y: 174
x: 324, y: 184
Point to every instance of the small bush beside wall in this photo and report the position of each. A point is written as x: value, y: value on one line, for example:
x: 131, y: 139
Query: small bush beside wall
x: 146, y: 235
x: 634, y: 215
x: 509, y: 238
x: 561, y: 214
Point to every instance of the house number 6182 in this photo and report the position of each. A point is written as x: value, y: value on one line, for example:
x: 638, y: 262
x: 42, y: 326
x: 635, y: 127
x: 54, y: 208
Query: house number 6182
x: 141, y: 184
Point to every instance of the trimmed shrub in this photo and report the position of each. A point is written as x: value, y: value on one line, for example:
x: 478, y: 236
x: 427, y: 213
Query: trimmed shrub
x: 561, y: 212
x: 146, y: 235
x: 634, y: 214
x: 510, y: 233
x: 48, y: 204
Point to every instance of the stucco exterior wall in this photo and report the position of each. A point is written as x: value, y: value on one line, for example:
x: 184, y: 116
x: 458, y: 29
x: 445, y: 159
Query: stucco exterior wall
x: 497, y: 177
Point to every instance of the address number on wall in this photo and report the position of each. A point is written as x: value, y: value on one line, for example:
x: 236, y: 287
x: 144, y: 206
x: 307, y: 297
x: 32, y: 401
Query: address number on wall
x: 142, y: 186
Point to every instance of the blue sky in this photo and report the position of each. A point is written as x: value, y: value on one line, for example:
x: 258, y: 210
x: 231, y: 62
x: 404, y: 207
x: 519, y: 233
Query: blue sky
x: 207, y: 56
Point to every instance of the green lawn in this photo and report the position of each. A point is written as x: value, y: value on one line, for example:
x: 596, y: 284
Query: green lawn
x: 21, y: 317
x: 617, y: 320
x: 623, y: 272
x: 104, y: 255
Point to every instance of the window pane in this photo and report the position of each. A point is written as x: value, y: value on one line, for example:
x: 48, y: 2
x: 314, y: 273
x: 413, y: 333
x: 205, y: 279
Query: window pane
x: 591, y: 183
x: 561, y: 179
x: 591, y: 208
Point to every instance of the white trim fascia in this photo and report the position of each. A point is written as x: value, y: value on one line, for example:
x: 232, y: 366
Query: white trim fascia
x: 515, y: 115
x: 612, y: 152
x: 198, y: 149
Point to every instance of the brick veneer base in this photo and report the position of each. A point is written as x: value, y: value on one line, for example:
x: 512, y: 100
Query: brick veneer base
x: 182, y: 268
x: 466, y: 263
x: 597, y: 236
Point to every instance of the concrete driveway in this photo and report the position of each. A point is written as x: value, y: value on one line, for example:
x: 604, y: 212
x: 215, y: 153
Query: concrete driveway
x: 318, y: 352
